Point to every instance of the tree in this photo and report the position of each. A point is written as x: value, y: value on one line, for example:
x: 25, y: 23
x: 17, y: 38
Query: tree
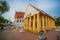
x: 4, y: 7
x: 3, y: 20
x: 57, y: 21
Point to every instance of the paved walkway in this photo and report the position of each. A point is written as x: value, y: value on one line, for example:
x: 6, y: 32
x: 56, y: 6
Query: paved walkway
x: 52, y: 35
x: 14, y: 34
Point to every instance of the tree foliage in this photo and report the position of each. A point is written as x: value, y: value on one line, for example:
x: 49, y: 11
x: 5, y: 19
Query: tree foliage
x: 4, y: 7
x: 2, y: 20
x: 57, y: 21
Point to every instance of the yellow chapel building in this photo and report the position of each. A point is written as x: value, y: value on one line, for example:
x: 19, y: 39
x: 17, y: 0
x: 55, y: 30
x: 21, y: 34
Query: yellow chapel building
x: 36, y: 19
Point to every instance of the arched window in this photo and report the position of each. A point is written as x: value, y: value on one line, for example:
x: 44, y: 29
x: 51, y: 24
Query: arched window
x: 20, y: 20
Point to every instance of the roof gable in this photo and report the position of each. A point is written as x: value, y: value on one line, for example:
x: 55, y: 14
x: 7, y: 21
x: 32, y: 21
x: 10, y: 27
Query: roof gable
x: 30, y: 10
x: 39, y: 10
x: 19, y: 14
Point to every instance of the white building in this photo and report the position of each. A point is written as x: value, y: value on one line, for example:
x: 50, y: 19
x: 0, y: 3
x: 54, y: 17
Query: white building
x: 19, y: 19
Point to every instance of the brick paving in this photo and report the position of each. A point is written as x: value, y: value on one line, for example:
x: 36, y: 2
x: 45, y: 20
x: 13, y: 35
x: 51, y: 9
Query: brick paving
x: 15, y: 34
x: 52, y: 34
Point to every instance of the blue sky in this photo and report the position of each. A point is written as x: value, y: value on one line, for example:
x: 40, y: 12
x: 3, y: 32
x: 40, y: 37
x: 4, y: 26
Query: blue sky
x: 51, y: 7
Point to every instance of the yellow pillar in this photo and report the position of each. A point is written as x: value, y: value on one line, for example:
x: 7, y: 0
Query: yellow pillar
x: 50, y: 24
x: 29, y: 23
x: 30, y: 28
x: 26, y: 23
x: 46, y: 24
x: 38, y: 23
x: 40, y: 18
x: 43, y: 28
x: 34, y: 23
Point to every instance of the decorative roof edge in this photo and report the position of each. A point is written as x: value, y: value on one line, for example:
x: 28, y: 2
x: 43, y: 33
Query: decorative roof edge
x: 42, y: 11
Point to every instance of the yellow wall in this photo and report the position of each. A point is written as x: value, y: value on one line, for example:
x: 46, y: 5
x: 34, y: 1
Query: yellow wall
x: 37, y: 22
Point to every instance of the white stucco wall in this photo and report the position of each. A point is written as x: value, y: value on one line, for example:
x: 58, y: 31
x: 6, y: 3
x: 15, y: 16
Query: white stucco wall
x: 19, y: 24
x: 30, y: 10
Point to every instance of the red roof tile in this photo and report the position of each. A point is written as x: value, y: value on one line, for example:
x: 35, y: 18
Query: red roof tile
x: 19, y: 14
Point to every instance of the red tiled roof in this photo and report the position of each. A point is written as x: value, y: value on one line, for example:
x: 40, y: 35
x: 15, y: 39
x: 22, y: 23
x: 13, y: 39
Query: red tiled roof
x: 19, y: 14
